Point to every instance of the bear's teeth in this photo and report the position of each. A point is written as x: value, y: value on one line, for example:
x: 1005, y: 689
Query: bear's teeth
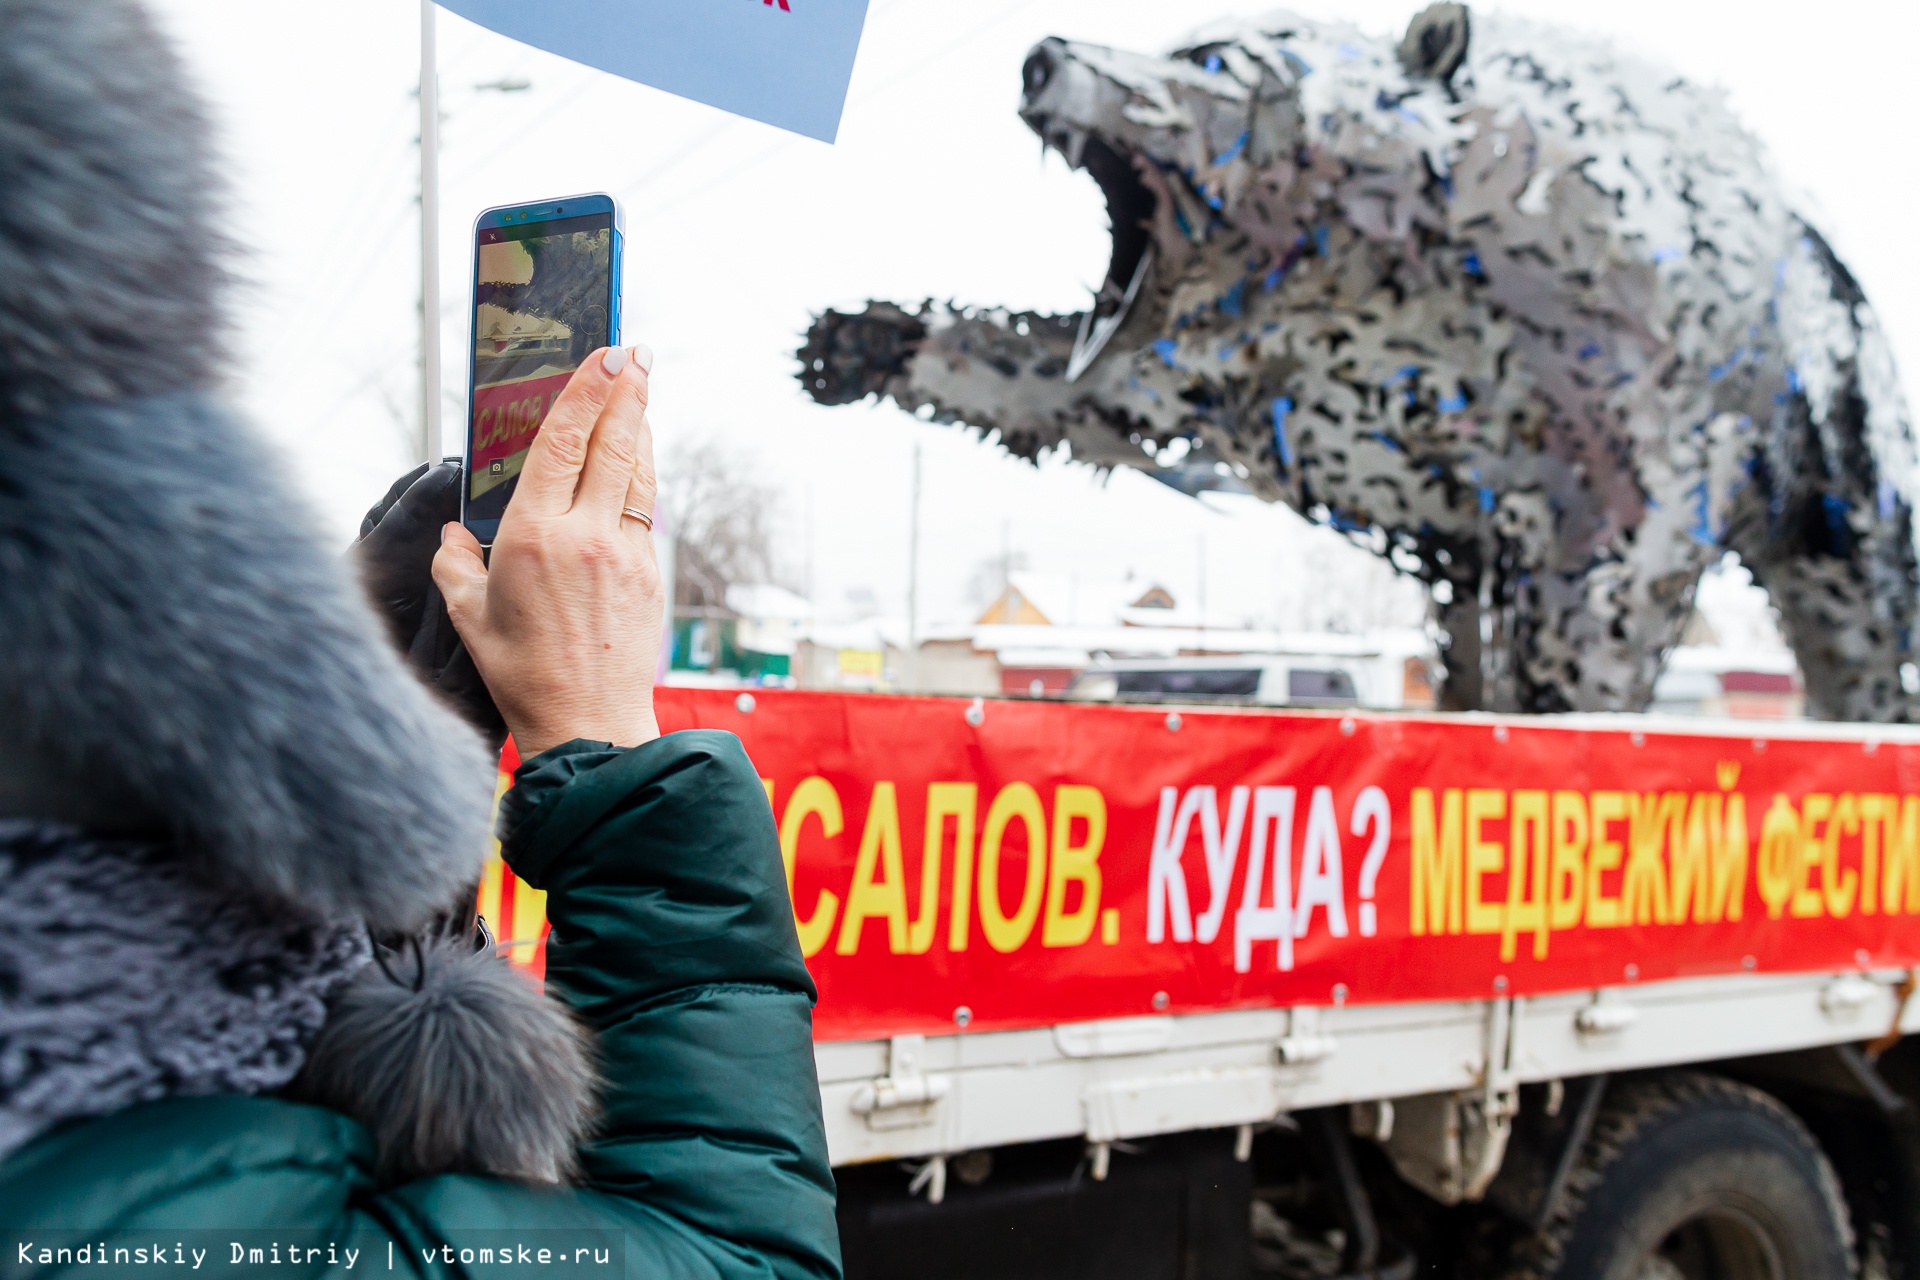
x: 1096, y: 333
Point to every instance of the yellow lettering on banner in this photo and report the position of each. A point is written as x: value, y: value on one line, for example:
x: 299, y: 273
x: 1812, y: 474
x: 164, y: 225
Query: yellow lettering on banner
x: 1527, y: 865
x: 1074, y: 864
x: 1690, y: 848
x: 1567, y: 878
x: 1839, y: 887
x: 1484, y: 858
x: 877, y: 896
x: 1730, y: 864
x: 1707, y: 862
x: 1436, y: 863
x: 1815, y: 811
x: 1643, y: 890
x: 1873, y: 812
x: 814, y: 797
x: 1900, y: 889
x: 959, y: 801
x: 1779, y: 860
x: 1674, y: 857
x: 1608, y: 807
x: 1021, y: 801
x: 529, y: 912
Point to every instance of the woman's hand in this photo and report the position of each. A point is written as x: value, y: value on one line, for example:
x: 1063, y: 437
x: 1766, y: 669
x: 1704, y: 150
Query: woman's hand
x: 565, y: 625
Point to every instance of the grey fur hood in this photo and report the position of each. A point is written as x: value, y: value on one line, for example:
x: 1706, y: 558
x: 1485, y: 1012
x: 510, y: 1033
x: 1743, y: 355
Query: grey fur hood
x: 181, y: 655
x: 197, y: 698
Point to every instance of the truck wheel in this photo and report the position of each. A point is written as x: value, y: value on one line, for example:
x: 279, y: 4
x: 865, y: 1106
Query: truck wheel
x: 1694, y: 1177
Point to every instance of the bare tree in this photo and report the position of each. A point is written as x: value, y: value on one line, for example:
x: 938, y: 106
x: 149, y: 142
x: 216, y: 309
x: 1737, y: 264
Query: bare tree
x: 722, y: 517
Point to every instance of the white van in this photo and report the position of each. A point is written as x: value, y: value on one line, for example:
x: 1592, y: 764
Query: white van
x: 1262, y: 680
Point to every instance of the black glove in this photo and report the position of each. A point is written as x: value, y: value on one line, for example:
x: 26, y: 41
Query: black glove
x: 394, y: 555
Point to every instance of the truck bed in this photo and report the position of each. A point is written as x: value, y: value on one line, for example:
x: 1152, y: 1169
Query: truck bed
x: 1035, y: 920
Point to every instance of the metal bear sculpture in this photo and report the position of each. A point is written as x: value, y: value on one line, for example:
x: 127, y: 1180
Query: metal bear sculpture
x: 1534, y: 319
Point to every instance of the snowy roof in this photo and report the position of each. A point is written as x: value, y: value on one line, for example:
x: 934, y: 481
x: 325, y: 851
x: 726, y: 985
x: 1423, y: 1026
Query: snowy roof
x: 1069, y: 600
x: 1169, y: 641
x: 1719, y: 659
x: 1044, y: 658
x: 764, y: 601
x: 872, y: 634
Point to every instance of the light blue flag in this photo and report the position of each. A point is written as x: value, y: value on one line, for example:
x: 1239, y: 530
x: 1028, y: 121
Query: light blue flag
x: 786, y: 62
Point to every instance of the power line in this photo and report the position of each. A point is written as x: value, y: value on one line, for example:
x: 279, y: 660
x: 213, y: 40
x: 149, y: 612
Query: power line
x: 332, y: 299
x: 324, y: 288
x: 349, y: 222
x: 965, y: 37
x: 359, y: 389
x: 699, y: 141
x: 728, y: 175
x: 719, y: 180
x: 532, y: 126
x: 337, y: 293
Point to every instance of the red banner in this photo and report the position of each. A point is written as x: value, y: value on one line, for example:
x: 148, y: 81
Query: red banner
x: 1055, y: 862
x: 507, y: 414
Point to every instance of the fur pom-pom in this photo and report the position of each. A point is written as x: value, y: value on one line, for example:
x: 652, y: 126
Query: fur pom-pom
x: 475, y: 1072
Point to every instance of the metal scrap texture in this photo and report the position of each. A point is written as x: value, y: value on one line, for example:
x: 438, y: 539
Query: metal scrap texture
x: 1540, y: 323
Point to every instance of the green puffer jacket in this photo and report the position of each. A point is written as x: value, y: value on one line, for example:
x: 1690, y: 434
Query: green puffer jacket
x: 672, y: 938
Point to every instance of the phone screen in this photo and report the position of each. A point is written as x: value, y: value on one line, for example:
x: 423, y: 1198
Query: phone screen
x: 545, y: 295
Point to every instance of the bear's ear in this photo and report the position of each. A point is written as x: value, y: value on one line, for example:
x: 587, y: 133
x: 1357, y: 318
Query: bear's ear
x: 1436, y: 42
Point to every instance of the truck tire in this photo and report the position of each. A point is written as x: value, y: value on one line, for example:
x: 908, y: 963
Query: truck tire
x: 1694, y: 1177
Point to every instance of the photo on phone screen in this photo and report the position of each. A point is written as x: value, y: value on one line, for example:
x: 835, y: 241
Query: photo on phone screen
x: 545, y: 295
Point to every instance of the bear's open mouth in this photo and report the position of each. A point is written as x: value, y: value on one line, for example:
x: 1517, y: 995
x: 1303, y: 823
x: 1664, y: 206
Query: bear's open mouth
x: 1130, y: 210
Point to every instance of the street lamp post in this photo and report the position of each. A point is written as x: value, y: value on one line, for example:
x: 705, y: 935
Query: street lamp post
x: 427, y: 442
x: 913, y: 579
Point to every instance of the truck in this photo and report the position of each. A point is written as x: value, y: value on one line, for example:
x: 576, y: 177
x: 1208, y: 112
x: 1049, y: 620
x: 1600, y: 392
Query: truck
x: 1262, y: 680
x: 1217, y: 991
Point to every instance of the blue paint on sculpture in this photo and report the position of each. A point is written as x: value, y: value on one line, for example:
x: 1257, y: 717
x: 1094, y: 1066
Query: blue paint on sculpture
x: 1534, y: 315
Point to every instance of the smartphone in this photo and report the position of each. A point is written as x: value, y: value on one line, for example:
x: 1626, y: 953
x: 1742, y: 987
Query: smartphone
x: 546, y: 293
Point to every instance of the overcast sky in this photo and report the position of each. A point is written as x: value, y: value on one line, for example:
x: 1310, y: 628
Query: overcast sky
x: 737, y: 232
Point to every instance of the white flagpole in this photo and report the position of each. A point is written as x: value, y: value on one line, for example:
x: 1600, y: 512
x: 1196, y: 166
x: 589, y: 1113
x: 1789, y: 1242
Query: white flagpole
x: 427, y: 444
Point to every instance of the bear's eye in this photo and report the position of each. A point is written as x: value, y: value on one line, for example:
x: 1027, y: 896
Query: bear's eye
x: 1206, y: 57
